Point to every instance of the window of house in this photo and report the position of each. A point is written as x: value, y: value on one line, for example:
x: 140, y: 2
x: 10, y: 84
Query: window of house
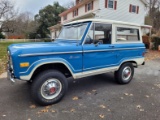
x: 75, y: 13
x: 127, y: 34
x: 65, y: 17
x: 89, y: 6
x: 112, y: 4
x: 99, y: 33
x: 134, y: 9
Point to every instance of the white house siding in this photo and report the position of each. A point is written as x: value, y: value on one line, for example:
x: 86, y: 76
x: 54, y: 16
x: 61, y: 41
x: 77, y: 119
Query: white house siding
x: 57, y: 33
x: 122, y: 12
x: 81, y: 12
x: 52, y: 34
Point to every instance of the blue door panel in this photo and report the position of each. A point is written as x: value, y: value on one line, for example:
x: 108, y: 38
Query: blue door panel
x: 96, y: 57
x: 102, y: 56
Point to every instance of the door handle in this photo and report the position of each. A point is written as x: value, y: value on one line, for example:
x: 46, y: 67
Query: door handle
x: 112, y: 46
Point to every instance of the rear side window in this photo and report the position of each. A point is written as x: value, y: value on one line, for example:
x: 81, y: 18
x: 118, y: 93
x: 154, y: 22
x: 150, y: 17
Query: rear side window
x: 127, y: 34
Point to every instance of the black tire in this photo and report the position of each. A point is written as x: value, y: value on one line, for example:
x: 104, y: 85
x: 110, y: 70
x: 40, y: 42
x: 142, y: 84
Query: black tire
x: 40, y: 82
x: 120, y: 74
x: 29, y: 82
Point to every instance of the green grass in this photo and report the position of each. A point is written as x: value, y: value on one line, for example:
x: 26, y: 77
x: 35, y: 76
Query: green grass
x: 3, y: 55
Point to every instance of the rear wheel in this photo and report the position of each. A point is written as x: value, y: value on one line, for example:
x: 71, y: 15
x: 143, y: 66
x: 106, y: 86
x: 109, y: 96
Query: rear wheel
x: 125, y: 74
x: 49, y: 87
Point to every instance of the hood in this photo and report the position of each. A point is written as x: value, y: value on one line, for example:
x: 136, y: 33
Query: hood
x: 42, y: 47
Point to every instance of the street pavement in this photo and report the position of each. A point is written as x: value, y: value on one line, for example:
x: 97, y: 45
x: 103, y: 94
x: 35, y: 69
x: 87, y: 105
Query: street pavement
x: 92, y: 98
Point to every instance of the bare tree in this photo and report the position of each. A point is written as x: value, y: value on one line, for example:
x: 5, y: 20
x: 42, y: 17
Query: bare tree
x: 154, y: 13
x: 7, y: 14
x: 70, y: 4
x: 23, y: 24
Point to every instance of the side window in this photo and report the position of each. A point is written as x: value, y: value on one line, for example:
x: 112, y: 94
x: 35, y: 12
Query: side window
x: 99, y: 33
x: 127, y: 34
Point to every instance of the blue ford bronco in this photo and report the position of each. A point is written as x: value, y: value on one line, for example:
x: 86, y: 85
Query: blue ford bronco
x: 84, y: 48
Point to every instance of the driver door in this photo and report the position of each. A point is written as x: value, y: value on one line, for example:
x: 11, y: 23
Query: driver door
x: 98, y: 52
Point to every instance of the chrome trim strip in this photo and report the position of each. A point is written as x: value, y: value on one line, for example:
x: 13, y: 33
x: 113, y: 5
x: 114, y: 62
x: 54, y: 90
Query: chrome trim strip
x: 49, y: 53
x: 105, y: 50
x: 86, y: 51
x: 95, y: 72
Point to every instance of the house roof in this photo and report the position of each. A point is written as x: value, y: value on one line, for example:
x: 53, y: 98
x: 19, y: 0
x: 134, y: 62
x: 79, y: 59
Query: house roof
x: 107, y: 21
x: 75, y: 7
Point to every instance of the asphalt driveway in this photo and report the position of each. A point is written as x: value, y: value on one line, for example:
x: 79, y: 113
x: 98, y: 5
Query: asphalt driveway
x: 91, y: 98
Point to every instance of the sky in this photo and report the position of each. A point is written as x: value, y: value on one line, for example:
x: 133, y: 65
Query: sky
x: 34, y: 6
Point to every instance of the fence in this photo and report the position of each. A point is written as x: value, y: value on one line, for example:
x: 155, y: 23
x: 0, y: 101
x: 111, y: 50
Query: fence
x: 22, y: 40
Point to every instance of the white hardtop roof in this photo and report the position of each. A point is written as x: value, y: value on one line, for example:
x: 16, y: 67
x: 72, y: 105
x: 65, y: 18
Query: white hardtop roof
x: 106, y: 21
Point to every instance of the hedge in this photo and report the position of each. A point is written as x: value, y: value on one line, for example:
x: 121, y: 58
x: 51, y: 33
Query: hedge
x: 156, y: 42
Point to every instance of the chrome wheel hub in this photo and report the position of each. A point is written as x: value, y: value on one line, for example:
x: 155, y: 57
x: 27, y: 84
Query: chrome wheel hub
x: 51, y: 88
x: 126, y: 74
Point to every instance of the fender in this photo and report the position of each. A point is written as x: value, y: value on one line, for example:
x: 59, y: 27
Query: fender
x: 29, y: 72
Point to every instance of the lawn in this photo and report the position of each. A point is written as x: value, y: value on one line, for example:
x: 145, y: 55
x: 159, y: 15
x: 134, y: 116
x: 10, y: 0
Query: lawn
x: 3, y: 55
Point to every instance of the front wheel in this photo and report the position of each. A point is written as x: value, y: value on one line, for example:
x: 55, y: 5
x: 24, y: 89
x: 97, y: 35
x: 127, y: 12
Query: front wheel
x: 49, y: 87
x: 125, y: 74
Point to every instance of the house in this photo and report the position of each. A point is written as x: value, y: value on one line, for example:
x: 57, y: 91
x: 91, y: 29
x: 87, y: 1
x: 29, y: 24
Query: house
x: 133, y: 11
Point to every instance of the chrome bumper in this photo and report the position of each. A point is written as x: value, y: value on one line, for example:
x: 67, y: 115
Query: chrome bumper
x: 10, y: 75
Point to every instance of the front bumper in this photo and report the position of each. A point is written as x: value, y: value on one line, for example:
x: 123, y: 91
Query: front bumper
x: 10, y: 74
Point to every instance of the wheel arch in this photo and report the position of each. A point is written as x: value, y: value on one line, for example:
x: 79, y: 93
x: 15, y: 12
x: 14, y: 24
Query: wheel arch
x: 134, y: 63
x: 63, y: 68
x: 40, y: 66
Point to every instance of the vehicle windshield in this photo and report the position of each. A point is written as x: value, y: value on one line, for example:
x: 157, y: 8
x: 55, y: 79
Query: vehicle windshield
x: 73, y: 32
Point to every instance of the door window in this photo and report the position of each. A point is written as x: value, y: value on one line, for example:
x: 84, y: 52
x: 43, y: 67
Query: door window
x: 99, y: 33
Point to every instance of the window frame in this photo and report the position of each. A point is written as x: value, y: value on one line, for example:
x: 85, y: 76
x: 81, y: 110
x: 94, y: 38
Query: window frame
x: 93, y: 23
x: 126, y: 42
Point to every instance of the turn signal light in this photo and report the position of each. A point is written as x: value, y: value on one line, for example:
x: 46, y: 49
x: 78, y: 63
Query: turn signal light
x: 24, y: 64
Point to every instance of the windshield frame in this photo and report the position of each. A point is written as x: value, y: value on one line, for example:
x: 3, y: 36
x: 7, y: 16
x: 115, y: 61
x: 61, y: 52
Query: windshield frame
x: 70, y: 25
